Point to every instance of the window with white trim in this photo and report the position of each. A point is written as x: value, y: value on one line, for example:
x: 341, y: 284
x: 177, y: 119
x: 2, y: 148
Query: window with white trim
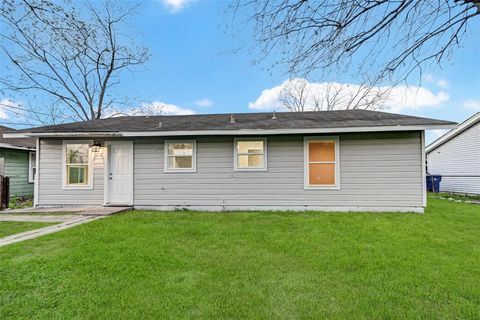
x: 250, y: 154
x: 322, y: 169
x: 180, y: 156
x: 77, y: 166
x: 32, y: 166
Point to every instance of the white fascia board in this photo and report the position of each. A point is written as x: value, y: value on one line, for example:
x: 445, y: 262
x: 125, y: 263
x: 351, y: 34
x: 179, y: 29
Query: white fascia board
x: 452, y: 133
x: 10, y: 146
x: 16, y: 135
x: 62, y: 134
x: 280, y: 131
x: 228, y: 132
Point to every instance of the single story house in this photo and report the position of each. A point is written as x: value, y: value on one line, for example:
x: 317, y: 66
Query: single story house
x: 456, y: 156
x: 17, y: 161
x: 353, y: 160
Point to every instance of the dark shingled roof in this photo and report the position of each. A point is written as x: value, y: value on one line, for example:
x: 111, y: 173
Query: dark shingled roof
x: 16, y: 142
x: 262, y: 121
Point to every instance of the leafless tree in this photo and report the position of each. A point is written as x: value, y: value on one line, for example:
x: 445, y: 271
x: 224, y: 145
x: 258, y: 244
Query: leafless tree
x: 384, y: 39
x: 295, y: 96
x: 144, y: 109
x: 68, y: 58
x: 298, y: 95
x: 363, y: 96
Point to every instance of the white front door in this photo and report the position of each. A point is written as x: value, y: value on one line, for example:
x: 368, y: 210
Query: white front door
x: 119, y: 173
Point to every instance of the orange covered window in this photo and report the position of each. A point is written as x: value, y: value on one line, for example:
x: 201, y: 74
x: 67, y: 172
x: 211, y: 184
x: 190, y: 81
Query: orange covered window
x: 321, y: 162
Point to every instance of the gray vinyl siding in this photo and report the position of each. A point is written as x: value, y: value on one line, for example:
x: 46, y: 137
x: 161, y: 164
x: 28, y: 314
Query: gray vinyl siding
x: 51, y: 192
x: 376, y: 170
x: 458, y: 160
x: 15, y: 166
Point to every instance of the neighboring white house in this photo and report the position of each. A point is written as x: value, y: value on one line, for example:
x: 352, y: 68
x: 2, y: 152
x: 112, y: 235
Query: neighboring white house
x: 456, y: 156
x: 355, y: 160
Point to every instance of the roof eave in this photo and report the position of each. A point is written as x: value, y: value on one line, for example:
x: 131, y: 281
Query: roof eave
x: 60, y: 134
x: 282, y: 131
x: 15, y: 147
x: 230, y: 132
x: 454, y: 132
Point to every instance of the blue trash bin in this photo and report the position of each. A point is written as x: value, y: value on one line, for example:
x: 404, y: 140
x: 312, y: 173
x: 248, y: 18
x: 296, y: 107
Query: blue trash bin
x: 433, y: 182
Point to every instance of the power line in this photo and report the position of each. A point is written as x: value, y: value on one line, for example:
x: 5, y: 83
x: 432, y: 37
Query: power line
x: 36, y: 112
x: 22, y: 124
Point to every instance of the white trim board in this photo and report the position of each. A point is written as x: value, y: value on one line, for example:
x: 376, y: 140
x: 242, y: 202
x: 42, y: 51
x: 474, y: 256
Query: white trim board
x: 424, y: 169
x: 229, y: 132
x: 11, y: 146
x: 279, y: 131
x: 62, y: 134
x: 31, y: 176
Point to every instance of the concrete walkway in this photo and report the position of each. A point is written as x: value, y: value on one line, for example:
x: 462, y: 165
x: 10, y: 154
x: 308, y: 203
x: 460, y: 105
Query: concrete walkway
x: 32, y: 234
x: 73, y: 217
x: 84, y: 211
x: 36, y: 218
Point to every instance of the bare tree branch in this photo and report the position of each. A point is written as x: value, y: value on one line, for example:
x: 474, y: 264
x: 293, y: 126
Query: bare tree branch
x: 70, y: 58
x: 299, y: 95
x: 382, y: 40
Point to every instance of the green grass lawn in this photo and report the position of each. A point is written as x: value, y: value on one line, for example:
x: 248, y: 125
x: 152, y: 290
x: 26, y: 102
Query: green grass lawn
x: 11, y: 227
x: 145, y: 264
x: 457, y: 196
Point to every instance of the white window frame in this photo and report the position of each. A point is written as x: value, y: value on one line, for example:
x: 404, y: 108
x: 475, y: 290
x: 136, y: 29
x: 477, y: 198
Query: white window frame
x: 31, y: 164
x: 166, y: 169
x: 65, y: 185
x: 306, y: 161
x: 236, y: 154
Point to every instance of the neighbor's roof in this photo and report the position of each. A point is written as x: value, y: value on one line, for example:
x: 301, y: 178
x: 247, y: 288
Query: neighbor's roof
x: 244, y: 123
x: 15, y: 143
x: 473, y: 120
